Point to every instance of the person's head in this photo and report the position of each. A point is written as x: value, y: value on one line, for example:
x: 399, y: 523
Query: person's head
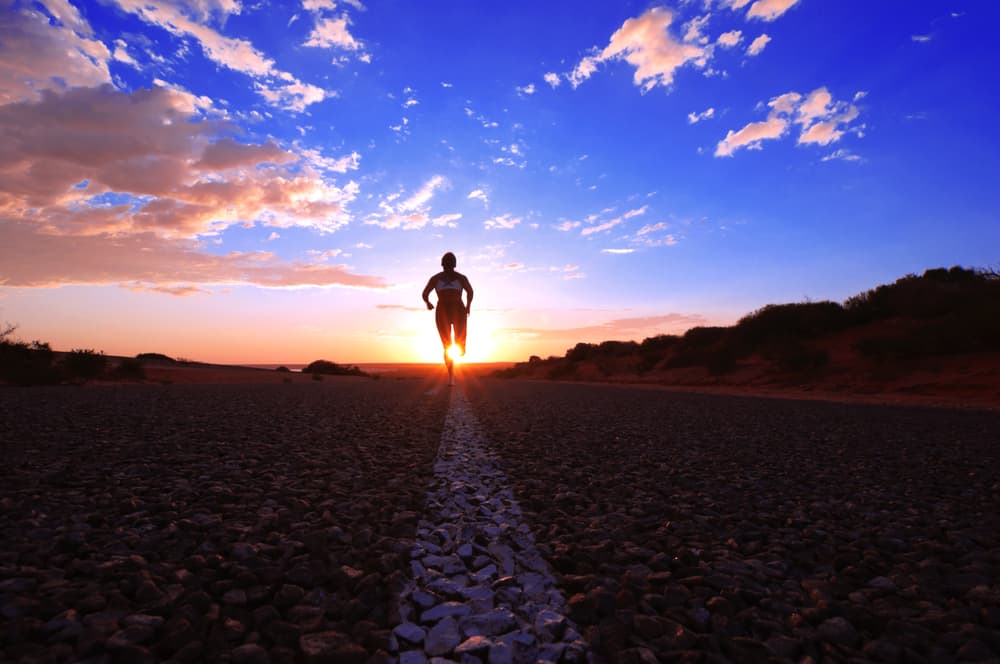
x: 448, y: 261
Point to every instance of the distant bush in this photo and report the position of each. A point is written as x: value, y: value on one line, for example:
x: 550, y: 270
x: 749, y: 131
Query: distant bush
x: 701, y: 337
x: 155, y: 356
x: 945, y: 310
x: 795, y: 356
x: 84, y: 363
x: 129, y: 369
x: 803, y: 320
x: 581, y: 352
x: 328, y: 368
x: 283, y: 368
x: 937, y: 292
x: 25, y: 363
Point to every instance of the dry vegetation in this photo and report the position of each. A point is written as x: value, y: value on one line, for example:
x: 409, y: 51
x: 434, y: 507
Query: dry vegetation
x: 892, y: 328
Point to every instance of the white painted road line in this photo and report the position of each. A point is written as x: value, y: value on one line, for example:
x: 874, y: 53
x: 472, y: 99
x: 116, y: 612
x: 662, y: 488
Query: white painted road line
x: 480, y: 590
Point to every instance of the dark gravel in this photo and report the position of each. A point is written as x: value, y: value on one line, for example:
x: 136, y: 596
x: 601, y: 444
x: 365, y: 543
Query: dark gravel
x: 246, y: 523
x: 274, y: 522
x: 708, y: 528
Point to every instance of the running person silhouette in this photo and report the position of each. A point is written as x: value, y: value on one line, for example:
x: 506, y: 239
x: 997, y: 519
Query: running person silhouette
x: 451, y: 312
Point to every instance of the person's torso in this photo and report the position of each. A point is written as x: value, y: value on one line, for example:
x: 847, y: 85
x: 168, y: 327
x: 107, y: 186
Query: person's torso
x: 448, y: 285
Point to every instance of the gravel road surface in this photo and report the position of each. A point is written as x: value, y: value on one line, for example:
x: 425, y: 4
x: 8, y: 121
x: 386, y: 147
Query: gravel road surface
x: 256, y: 523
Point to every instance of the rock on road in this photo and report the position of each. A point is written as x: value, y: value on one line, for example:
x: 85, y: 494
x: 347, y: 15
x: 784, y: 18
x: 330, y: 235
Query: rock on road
x: 258, y: 523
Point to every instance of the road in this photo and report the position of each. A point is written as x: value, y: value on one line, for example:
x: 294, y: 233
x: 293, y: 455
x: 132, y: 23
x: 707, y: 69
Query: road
x: 281, y: 523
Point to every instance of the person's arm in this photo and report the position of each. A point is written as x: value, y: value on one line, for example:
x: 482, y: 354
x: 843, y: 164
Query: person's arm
x: 468, y: 295
x: 427, y: 291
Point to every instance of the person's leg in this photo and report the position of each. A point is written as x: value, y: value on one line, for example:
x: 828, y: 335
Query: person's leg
x: 444, y: 331
x: 460, y: 328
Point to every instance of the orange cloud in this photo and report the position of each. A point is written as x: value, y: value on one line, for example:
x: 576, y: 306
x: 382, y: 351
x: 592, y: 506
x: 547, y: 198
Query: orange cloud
x: 66, y: 150
x: 821, y: 119
x: 36, y: 54
x: 30, y: 258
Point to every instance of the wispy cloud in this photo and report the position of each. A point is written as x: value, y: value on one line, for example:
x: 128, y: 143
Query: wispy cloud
x: 552, y: 79
x: 607, y: 225
x: 729, y: 39
x: 277, y: 87
x: 769, y: 10
x: 528, y: 89
x: 413, y: 212
x: 32, y: 258
x: 694, y: 117
x: 617, y: 251
x: 646, y: 43
x: 503, y: 222
x: 480, y: 195
x: 821, y: 121
x: 922, y: 39
x: 758, y: 45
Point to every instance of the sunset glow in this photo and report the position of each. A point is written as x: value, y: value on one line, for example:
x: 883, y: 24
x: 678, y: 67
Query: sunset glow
x: 274, y: 182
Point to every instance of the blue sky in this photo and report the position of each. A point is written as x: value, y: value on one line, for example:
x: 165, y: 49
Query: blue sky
x: 275, y: 181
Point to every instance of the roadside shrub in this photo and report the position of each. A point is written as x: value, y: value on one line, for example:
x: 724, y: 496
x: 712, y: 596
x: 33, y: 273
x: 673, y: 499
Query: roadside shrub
x: 328, y: 368
x: 795, y: 356
x: 803, y: 320
x: 25, y: 363
x: 283, y: 369
x: 581, y: 351
x: 129, y: 369
x: 84, y: 363
x: 700, y: 337
x: 155, y: 356
x: 562, y: 371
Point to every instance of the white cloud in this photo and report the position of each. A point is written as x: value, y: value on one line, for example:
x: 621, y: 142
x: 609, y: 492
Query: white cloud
x: 758, y: 45
x: 504, y: 222
x: 552, y: 79
x: 277, y: 87
x: 567, y: 225
x: 121, y: 54
x: 922, y: 39
x: 647, y: 44
x: 447, y: 220
x: 614, y: 222
x: 422, y: 196
x: 652, y: 228
x: 768, y: 10
x: 704, y: 115
x: 729, y: 39
x: 617, y: 251
x: 332, y: 32
x: 842, y: 155
x: 413, y: 212
x: 821, y: 120
x: 479, y: 194
x: 528, y: 89
x: 445, y: 84
x: 273, y: 236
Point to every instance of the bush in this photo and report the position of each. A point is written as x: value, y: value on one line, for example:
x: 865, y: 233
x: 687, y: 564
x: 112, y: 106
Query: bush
x: 580, y: 352
x: 795, y: 356
x: 84, y: 363
x: 160, y: 357
x: 22, y: 363
x: 328, y: 368
x: 283, y: 369
x: 129, y: 369
x: 804, y: 320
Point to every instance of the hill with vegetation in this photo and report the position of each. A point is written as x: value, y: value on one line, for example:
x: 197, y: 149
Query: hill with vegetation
x: 911, y: 324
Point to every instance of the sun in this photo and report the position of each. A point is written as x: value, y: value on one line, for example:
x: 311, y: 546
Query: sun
x: 455, y: 354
